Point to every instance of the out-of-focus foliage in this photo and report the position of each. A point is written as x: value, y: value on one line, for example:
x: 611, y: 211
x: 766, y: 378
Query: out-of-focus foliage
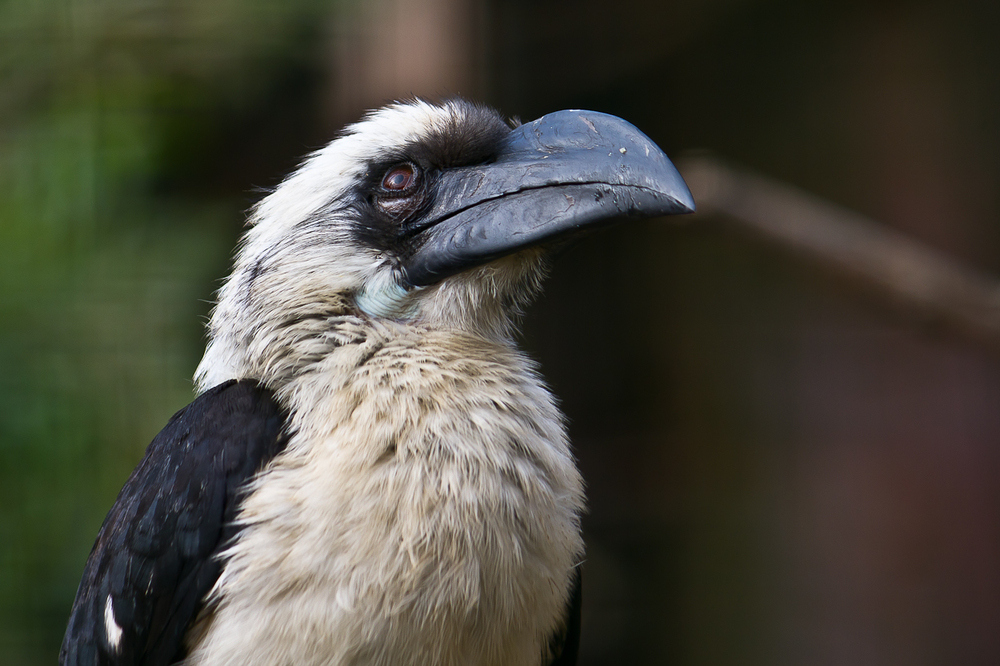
x: 112, y: 224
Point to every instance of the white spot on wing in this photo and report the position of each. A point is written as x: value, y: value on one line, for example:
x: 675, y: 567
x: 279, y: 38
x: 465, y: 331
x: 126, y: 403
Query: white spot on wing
x: 111, y: 627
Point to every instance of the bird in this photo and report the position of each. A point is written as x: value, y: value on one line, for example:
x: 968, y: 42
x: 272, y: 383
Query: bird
x: 372, y: 471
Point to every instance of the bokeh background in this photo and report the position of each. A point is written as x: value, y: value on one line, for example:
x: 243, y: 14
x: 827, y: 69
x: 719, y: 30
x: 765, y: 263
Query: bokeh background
x: 781, y: 468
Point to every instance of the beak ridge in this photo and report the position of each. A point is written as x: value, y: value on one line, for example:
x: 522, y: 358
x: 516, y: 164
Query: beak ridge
x: 556, y: 176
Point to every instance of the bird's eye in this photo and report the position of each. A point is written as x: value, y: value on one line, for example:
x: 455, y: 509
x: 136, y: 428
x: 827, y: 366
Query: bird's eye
x: 400, y: 178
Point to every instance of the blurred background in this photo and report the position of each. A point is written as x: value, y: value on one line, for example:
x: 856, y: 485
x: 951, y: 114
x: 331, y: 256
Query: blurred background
x: 784, y: 467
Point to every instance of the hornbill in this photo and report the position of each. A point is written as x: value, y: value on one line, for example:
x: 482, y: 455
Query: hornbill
x: 373, y: 473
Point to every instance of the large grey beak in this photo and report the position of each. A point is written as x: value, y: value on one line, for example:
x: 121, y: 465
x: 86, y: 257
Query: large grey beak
x: 563, y: 173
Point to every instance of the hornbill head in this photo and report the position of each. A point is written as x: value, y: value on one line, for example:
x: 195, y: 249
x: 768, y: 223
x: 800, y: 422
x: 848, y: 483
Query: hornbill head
x: 436, y: 215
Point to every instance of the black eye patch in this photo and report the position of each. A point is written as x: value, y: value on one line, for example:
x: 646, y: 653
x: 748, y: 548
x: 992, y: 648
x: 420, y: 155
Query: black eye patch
x: 399, y: 185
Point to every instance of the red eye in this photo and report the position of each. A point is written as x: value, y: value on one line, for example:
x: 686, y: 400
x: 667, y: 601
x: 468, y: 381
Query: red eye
x: 400, y: 178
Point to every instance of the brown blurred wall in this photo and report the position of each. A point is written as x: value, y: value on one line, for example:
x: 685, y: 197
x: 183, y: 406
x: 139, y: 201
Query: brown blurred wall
x: 780, y: 469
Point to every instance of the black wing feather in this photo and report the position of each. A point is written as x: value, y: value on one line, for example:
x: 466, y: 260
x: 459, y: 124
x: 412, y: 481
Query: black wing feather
x: 155, y: 553
x: 565, y: 645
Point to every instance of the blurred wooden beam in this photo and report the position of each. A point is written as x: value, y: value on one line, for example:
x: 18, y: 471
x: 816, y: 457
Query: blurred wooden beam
x: 923, y: 282
x: 385, y: 50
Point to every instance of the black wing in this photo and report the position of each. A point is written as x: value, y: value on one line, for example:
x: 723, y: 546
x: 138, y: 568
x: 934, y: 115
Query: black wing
x: 565, y: 645
x: 154, y: 559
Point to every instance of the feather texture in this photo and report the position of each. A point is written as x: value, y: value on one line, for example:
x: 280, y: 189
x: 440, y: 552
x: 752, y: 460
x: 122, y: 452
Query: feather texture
x: 153, y: 561
x: 425, y: 511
